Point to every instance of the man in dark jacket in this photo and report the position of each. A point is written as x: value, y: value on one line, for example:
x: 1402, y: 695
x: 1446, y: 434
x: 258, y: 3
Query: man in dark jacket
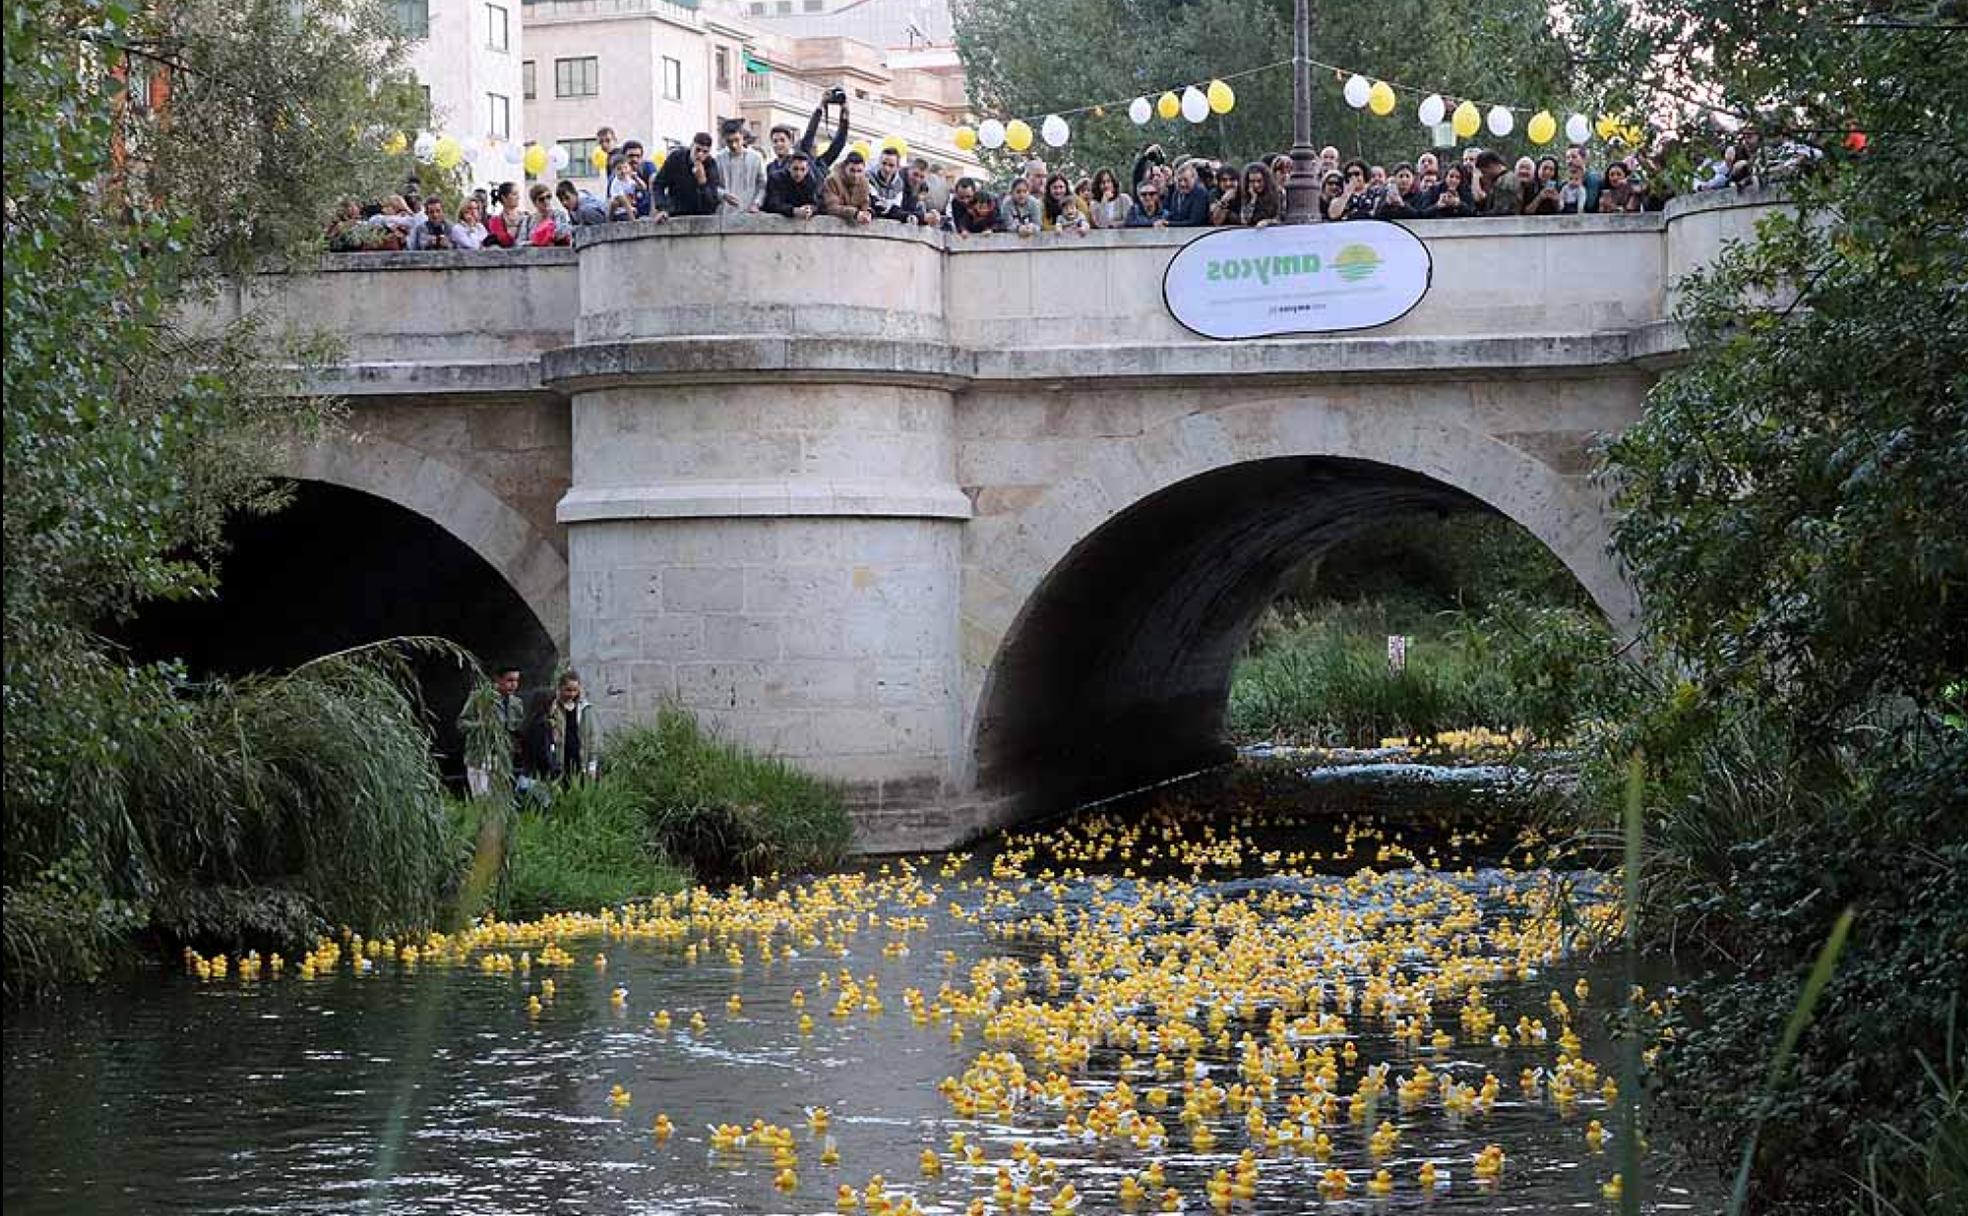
x: 1147, y: 211
x: 785, y: 148
x: 1188, y: 206
x: 690, y: 177
x: 794, y: 193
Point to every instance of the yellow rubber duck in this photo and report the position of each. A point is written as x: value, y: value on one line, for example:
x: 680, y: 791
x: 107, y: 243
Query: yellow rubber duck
x: 1382, y: 1183
x: 660, y: 1020
x: 932, y: 1165
x: 786, y: 1180
x: 618, y: 1095
x: 663, y: 1129
x: 1595, y: 1135
x: 1614, y: 1189
x: 846, y: 1198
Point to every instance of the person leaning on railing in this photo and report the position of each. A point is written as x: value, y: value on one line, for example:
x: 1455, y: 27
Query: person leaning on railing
x: 795, y: 191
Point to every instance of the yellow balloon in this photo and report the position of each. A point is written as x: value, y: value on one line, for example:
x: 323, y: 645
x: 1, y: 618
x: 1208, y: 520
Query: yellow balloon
x: 965, y: 138
x: 1634, y: 134
x: 599, y: 159
x: 1221, y: 97
x: 1168, y: 105
x: 1018, y: 135
x: 896, y: 142
x: 395, y: 143
x: 447, y: 153
x: 536, y: 160
x: 861, y: 146
x: 1466, y: 120
x: 1542, y: 128
x: 657, y: 157
x: 1380, y: 99
x: 1606, y: 127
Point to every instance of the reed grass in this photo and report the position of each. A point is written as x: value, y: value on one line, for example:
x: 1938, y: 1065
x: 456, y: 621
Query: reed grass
x: 722, y: 810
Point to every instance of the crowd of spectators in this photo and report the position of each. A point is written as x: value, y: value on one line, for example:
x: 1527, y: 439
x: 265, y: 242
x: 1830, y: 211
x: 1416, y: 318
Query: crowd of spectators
x: 730, y: 174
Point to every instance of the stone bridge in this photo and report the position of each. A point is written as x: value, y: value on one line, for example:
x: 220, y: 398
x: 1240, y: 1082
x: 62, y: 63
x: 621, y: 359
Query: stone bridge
x: 972, y: 525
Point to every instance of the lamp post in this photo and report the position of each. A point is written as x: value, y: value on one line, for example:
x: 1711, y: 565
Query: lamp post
x: 1302, y: 191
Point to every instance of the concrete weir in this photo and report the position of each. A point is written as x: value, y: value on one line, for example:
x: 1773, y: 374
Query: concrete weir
x: 971, y: 525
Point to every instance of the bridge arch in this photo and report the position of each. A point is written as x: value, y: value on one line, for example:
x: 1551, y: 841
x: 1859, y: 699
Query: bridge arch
x: 455, y: 501
x: 1123, y: 595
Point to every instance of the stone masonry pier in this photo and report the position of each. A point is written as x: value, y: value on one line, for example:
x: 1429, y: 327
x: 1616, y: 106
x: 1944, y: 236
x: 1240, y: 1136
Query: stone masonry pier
x: 970, y: 524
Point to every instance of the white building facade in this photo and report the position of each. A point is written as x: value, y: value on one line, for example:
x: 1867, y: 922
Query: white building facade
x: 466, y: 53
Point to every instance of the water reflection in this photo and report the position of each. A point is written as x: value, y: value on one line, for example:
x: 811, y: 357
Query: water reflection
x: 432, y: 1090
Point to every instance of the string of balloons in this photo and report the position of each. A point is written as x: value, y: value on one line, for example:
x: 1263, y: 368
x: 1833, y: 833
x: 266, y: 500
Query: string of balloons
x: 1198, y: 102
x: 1195, y: 102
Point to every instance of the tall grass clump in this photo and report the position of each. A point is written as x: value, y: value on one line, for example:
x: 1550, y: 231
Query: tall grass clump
x: 259, y: 810
x: 593, y: 847
x: 721, y: 809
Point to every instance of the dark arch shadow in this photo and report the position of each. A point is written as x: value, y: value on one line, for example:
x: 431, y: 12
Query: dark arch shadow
x: 335, y: 569
x: 1117, y: 671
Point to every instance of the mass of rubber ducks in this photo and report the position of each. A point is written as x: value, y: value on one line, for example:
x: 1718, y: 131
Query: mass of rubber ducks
x: 1131, y: 996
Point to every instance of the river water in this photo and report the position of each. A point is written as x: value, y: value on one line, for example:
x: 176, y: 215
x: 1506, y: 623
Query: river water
x: 1139, y: 943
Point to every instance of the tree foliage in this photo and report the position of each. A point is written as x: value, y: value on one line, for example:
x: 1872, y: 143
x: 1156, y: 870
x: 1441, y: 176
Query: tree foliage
x: 1790, y: 503
x: 1033, y: 57
x: 132, y: 429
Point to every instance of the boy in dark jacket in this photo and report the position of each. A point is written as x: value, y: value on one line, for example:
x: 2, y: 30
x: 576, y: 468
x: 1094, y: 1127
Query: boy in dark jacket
x: 795, y: 192
x: 690, y: 178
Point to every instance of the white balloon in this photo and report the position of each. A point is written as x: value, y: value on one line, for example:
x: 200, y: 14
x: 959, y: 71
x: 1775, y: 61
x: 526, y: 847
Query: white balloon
x: 1139, y: 111
x: 1577, y: 129
x: 1357, y: 89
x: 1501, y: 121
x: 1054, y: 131
x: 1432, y: 111
x: 1195, y: 106
x: 514, y: 154
x: 425, y: 145
x: 990, y: 133
x: 557, y: 158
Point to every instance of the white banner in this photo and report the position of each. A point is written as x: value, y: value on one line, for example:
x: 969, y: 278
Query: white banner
x: 1297, y: 279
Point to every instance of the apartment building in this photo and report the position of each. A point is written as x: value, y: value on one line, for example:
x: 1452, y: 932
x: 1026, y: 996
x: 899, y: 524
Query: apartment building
x: 660, y: 71
x: 466, y: 53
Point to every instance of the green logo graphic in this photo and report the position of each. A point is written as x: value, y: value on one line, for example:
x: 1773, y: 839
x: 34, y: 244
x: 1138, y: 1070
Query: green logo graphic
x: 1356, y: 263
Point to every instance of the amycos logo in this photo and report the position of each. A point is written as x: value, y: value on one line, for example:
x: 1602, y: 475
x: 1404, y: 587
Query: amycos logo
x: 1256, y: 283
x: 1356, y: 263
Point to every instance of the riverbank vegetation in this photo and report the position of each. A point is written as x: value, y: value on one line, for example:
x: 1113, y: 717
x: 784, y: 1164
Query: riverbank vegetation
x: 1790, y: 504
x: 672, y: 803
x: 1499, y: 637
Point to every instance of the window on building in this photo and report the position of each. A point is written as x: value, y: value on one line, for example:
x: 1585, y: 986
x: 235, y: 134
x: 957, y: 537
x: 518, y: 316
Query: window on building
x: 413, y: 17
x: 814, y: 6
x: 783, y: 7
x: 672, y: 79
x: 423, y: 105
x: 498, y: 116
x: 578, y: 153
x: 496, y: 34
x: 576, y: 77
x: 528, y: 80
x: 723, y: 59
x: 758, y: 8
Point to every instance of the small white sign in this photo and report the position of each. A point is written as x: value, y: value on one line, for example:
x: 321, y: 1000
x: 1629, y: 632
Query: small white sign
x: 1297, y: 279
x: 1397, y: 653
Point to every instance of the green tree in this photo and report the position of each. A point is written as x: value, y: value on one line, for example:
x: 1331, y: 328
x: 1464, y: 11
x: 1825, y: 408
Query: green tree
x: 1791, y: 504
x: 131, y: 432
x: 1032, y: 57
